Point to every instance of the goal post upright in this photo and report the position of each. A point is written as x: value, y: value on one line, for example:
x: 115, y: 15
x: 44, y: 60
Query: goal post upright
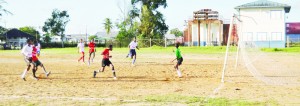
x: 227, y: 47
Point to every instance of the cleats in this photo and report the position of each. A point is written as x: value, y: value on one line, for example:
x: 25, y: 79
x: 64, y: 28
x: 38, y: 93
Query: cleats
x: 35, y: 78
x: 115, y: 78
x: 95, y: 73
x: 48, y: 73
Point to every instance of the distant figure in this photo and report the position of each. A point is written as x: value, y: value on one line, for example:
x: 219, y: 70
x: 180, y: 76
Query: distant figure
x: 179, y: 60
x: 27, y: 53
x: 106, y: 62
x: 132, y: 46
x: 38, y: 47
x: 92, y: 50
x: 80, y: 47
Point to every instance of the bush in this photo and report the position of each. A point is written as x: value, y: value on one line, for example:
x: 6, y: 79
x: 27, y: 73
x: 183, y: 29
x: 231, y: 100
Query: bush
x: 58, y: 45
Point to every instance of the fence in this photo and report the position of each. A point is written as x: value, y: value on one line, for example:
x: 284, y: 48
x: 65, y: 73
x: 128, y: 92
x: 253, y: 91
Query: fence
x: 143, y: 43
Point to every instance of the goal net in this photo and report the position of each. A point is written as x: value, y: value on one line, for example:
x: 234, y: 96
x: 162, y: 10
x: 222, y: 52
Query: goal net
x: 246, y: 59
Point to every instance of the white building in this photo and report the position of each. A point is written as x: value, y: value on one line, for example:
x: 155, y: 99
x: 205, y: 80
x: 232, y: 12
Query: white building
x: 58, y: 39
x: 77, y: 37
x: 263, y: 22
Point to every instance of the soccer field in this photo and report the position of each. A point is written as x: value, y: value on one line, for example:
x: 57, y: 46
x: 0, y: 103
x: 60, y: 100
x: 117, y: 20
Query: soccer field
x: 153, y: 81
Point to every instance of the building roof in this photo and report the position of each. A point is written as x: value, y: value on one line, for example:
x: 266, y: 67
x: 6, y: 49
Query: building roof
x: 17, y: 33
x: 105, y: 35
x: 78, y: 36
x: 265, y: 4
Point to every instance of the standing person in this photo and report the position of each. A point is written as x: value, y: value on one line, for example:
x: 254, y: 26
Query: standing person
x: 36, y: 63
x: 179, y: 60
x: 80, y: 47
x: 38, y: 47
x: 106, y: 61
x: 132, y: 46
x: 27, y: 53
x: 92, y: 50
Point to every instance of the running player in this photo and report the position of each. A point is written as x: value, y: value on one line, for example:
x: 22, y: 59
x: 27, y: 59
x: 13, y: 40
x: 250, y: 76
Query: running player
x: 27, y: 53
x: 92, y: 50
x: 179, y: 60
x: 106, y: 62
x: 132, y: 46
x: 36, y: 63
x: 80, y: 47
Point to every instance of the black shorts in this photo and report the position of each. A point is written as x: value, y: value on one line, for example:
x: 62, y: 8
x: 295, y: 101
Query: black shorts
x: 179, y: 61
x: 132, y: 52
x: 37, y: 63
x: 28, y: 60
x: 105, y: 62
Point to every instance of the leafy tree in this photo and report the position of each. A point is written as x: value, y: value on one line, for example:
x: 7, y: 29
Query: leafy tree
x: 176, y: 32
x: 47, y: 38
x: 55, y: 26
x: 108, y: 25
x: 3, y: 11
x: 31, y: 30
x: 127, y: 30
x: 92, y: 37
x: 2, y: 31
x: 152, y: 21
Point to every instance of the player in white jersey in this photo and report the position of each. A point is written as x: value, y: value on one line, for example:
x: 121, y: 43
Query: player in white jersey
x: 27, y: 53
x: 80, y: 47
x: 132, y: 46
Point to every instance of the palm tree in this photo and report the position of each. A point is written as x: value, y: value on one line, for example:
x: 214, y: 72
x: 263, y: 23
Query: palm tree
x: 108, y: 25
x: 2, y: 10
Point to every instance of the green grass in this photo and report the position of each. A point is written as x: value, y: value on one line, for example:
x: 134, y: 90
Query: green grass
x: 193, y: 100
x: 288, y: 50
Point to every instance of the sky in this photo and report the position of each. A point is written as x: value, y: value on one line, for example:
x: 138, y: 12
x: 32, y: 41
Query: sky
x: 87, y: 16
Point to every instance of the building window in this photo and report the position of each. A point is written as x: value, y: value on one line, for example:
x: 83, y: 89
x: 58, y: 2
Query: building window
x: 248, y: 36
x: 276, y: 14
x: 276, y: 36
x: 262, y: 36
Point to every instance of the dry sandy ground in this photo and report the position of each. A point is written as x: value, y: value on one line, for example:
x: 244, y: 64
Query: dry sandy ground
x: 71, y: 83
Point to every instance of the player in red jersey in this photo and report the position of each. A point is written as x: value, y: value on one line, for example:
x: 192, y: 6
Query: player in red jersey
x: 92, y: 50
x: 36, y: 63
x: 106, y: 62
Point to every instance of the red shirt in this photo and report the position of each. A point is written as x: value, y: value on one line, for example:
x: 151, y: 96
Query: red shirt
x: 34, y: 52
x: 105, y: 54
x: 92, y: 45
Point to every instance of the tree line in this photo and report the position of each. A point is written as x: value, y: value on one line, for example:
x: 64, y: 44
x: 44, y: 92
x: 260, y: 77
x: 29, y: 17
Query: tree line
x: 142, y: 20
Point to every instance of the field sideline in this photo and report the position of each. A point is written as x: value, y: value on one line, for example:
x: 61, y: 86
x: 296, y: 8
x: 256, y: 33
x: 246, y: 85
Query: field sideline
x: 151, y: 82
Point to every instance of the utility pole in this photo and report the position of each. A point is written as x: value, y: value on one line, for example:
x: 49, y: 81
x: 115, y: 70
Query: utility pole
x: 86, y: 34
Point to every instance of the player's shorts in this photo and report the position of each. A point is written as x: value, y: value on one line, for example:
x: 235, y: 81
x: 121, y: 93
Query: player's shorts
x: 179, y: 61
x: 37, y: 63
x: 28, y: 60
x: 132, y: 52
x: 92, y: 50
x: 105, y: 62
x: 38, y: 52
